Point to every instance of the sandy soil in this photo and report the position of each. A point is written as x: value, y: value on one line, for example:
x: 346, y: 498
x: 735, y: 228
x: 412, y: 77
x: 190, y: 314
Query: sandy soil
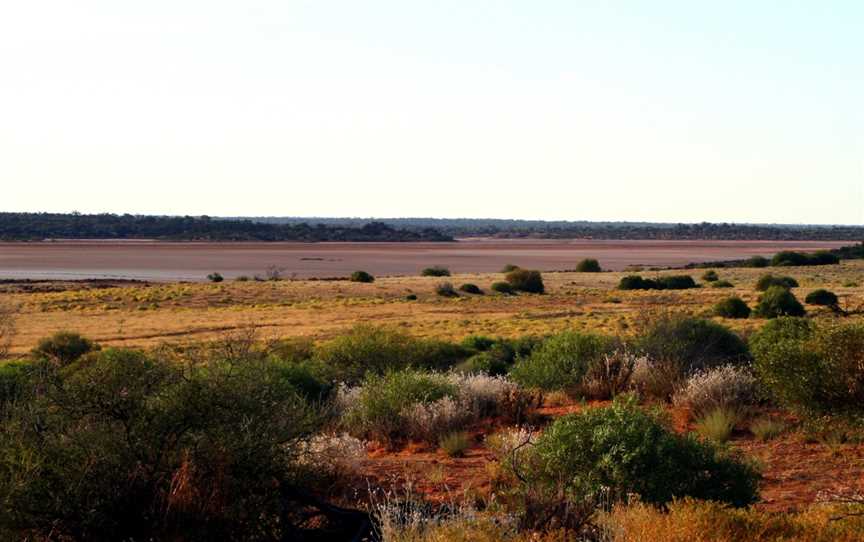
x: 161, y: 261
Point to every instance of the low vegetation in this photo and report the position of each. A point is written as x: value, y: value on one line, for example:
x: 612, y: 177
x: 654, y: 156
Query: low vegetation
x: 778, y: 301
x: 435, y: 271
x: 361, y: 276
x: 588, y: 265
x: 526, y: 280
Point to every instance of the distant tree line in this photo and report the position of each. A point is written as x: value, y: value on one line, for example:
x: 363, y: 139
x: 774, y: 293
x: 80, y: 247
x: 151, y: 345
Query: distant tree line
x: 505, y: 228
x: 39, y: 226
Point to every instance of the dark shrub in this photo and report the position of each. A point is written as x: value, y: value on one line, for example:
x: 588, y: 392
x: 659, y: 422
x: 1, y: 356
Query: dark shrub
x: 561, y: 361
x: 788, y: 258
x: 710, y: 276
x: 14, y: 383
x: 623, y: 450
x: 480, y: 343
x: 823, y: 257
x: 215, y: 277
x: 778, y: 301
x: 361, y: 276
x: 435, y: 271
x: 676, y: 282
x: 411, y: 297
x: 526, y: 280
x: 689, y: 342
x: 588, y: 265
x: 732, y: 307
x: 292, y: 350
x: 509, y: 267
x: 497, y: 358
x: 469, y: 288
x: 446, y: 289
x: 722, y: 284
x: 817, y: 372
x: 634, y: 282
x: 769, y: 280
x: 757, y: 261
x: 502, y: 287
x: 490, y: 362
x: 307, y: 378
x: 64, y: 347
x: 821, y: 297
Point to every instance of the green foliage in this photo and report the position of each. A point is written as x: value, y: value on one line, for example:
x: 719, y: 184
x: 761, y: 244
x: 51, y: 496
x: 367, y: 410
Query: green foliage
x: 454, y: 444
x: 435, y: 271
x: 789, y: 258
x: 64, y: 347
x: 822, y: 297
x: 710, y: 276
x: 307, y: 378
x: 215, y: 277
x: 769, y: 280
x: 732, y: 307
x: 691, y: 343
x: 361, y: 276
x: 509, y: 267
x: 722, y: 284
x: 766, y: 429
x: 446, y: 289
x: 718, y: 424
x: 588, y: 265
x: 668, y: 282
x: 757, y: 261
x: 469, y: 288
x: 502, y: 287
x: 635, y: 282
x: 817, y: 372
x: 624, y: 450
x: 480, y: 343
x: 526, y: 280
x: 15, y: 382
x: 778, y: 301
x: 561, y: 362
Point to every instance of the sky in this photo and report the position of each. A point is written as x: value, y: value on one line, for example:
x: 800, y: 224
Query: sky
x: 662, y: 110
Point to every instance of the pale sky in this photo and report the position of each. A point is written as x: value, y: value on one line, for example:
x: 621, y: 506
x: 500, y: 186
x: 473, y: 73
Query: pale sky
x: 745, y: 110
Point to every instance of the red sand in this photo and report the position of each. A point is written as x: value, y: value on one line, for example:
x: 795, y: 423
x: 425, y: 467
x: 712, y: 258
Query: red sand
x: 193, y: 261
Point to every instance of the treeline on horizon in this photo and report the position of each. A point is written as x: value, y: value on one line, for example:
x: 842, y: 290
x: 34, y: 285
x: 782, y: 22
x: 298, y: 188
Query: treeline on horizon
x: 40, y: 226
x: 539, y: 229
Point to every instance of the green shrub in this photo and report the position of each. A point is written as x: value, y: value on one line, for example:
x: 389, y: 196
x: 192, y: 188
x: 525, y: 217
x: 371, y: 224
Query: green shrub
x: 790, y: 258
x: 307, y: 378
x: 816, y: 372
x: 691, y: 343
x: 757, y: 261
x: 242, y: 278
x: 215, y: 277
x: 455, y: 444
x: 411, y: 297
x: 769, y: 280
x: 469, y: 288
x: 765, y: 429
x: 435, y: 271
x: 624, y: 450
x: 361, y: 276
x: 635, y: 282
x: 480, y: 343
x: 64, y: 347
x: 446, y: 289
x: 502, y: 288
x: 588, y: 265
x: 718, y: 424
x: 526, y: 280
x: 822, y: 297
x: 560, y: 362
x: 710, y: 276
x: 732, y: 307
x: 778, y: 301
x: 676, y: 282
x: 722, y: 284
x: 14, y: 382
x: 509, y: 267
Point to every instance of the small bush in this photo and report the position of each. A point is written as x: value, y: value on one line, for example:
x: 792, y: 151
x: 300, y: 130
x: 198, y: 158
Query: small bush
x: 710, y: 276
x: 635, y: 282
x: 692, y: 343
x: 64, y: 347
x: 722, y: 284
x: 718, y: 424
x: 822, y: 297
x: 411, y: 297
x: 242, y: 278
x: 526, y: 280
x: 446, y: 289
x: 455, y: 444
x: 215, y: 277
x: 732, y: 307
x: 561, y: 362
x: 588, y: 265
x: 469, y: 288
x: 791, y: 258
x: 502, y: 288
x: 509, y: 267
x: 480, y: 343
x: 435, y: 271
x: 610, y: 374
x: 769, y: 280
x: 361, y: 276
x: 757, y: 261
x: 778, y: 301
x: 766, y: 429
x: 718, y: 388
x: 14, y: 382
x: 676, y: 282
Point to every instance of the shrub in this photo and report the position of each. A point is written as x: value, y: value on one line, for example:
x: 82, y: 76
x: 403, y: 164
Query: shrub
x: 718, y: 424
x: 64, y: 347
x: 509, y: 267
x: 757, y: 261
x: 361, y: 276
x: 692, y: 343
x: 822, y: 297
x: 635, y: 282
x: 215, y: 277
x: 469, y: 288
x: 446, y: 289
x: 610, y: 374
x: 561, y: 361
x: 480, y: 343
x: 305, y: 377
x: 335, y: 455
x: 588, y: 265
x: 8, y: 315
x: 242, y: 278
x: 411, y: 297
x: 766, y: 429
x: 526, y: 280
x: 14, y: 383
x: 815, y: 371
x: 769, y: 280
x: 722, y: 284
x: 454, y: 444
x: 790, y: 258
x: 710, y: 276
x: 502, y: 288
x: 621, y: 450
x: 732, y: 307
x: 676, y: 282
x: 778, y: 301
x: 718, y: 388
x: 435, y: 271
